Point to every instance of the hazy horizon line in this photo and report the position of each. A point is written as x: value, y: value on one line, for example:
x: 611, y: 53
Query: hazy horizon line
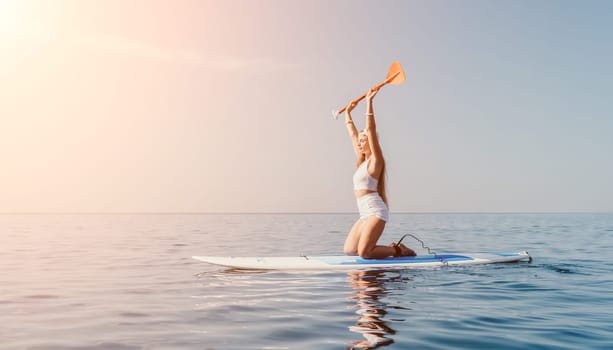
x: 294, y: 213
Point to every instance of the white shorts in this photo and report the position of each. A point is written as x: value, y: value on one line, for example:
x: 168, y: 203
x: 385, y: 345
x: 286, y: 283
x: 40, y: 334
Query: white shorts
x: 373, y: 205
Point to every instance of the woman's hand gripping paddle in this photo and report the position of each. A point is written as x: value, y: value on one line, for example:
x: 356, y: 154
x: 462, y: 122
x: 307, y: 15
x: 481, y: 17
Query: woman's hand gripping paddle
x: 395, y: 76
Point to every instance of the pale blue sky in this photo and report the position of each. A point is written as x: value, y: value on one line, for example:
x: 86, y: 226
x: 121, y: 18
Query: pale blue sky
x: 211, y: 106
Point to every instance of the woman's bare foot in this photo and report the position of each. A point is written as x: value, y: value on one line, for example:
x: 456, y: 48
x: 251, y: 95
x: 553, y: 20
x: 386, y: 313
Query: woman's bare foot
x: 403, y: 250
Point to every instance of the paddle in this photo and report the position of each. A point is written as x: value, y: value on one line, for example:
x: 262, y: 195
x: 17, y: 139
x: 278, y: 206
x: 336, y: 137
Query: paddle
x: 395, y: 76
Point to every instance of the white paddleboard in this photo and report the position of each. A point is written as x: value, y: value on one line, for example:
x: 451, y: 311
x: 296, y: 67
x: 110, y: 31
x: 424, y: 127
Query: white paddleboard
x: 343, y: 262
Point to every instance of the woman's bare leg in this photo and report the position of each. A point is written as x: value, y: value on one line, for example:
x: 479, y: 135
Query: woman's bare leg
x: 351, y: 243
x: 363, y: 237
x: 369, y: 235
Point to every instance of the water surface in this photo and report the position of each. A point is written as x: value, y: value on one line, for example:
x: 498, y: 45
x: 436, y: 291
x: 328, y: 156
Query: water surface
x: 128, y: 282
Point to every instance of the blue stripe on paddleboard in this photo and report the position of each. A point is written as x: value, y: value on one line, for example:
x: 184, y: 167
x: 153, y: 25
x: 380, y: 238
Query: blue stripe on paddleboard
x: 401, y: 260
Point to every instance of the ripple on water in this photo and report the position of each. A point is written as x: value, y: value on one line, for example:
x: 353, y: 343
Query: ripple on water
x: 100, y: 346
x: 42, y: 296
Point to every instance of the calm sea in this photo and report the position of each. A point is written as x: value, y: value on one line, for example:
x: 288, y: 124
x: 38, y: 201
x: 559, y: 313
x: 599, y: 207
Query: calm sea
x: 127, y: 282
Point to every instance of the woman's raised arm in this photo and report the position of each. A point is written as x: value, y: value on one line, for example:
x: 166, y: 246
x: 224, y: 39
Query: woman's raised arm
x: 371, y: 127
x: 351, y: 129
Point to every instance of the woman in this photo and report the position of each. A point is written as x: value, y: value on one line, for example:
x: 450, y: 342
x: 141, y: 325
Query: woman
x: 369, y: 189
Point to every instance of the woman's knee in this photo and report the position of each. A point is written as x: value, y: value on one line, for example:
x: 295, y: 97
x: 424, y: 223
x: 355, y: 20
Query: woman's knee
x: 350, y: 251
x: 351, y: 246
x: 353, y: 239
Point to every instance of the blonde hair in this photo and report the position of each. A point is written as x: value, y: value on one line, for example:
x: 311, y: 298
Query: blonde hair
x: 381, y: 185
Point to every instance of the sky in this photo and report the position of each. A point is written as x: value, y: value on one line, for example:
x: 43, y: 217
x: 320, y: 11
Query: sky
x: 225, y: 106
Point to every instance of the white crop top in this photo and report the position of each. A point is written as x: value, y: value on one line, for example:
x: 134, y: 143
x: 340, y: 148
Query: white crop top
x: 362, y: 179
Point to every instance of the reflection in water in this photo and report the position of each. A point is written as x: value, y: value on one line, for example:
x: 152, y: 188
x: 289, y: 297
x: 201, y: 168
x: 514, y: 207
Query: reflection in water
x: 369, y: 289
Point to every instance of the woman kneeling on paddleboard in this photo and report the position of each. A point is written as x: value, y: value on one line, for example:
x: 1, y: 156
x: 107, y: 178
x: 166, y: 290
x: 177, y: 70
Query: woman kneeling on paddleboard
x: 369, y: 189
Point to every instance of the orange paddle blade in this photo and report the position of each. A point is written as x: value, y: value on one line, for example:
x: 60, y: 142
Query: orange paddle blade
x: 396, y: 69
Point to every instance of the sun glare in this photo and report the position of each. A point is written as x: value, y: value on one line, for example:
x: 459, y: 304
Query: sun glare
x: 9, y: 17
x: 23, y: 19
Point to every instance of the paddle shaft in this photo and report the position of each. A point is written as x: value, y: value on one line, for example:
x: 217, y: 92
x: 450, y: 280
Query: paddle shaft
x: 377, y: 87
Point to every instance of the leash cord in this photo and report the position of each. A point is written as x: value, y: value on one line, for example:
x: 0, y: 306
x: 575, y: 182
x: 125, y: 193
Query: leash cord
x: 423, y: 245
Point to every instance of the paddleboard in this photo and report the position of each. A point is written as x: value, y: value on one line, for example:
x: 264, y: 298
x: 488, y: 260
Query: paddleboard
x: 344, y: 262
